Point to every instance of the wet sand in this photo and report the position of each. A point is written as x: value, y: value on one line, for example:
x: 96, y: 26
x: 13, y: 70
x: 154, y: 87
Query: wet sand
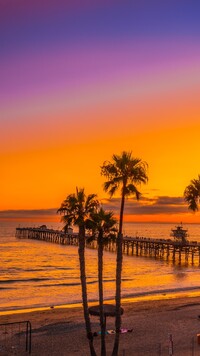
x: 61, y: 331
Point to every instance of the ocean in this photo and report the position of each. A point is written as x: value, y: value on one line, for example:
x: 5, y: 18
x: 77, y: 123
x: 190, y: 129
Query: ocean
x: 36, y: 274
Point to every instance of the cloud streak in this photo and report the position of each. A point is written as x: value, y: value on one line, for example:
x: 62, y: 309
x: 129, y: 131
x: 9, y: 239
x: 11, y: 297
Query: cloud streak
x: 159, y: 205
x: 149, y: 206
x: 31, y: 214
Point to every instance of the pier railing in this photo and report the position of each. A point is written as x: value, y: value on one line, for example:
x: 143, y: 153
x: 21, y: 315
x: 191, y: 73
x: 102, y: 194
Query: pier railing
x: 48, y: 235
x: 138, y: 246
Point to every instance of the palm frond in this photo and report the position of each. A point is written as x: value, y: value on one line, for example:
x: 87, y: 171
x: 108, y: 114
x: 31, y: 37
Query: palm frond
x: 76, y: 208
x: 110, y: 187
x: 191, y: 196
x: 102, y: 223
x: 131, y: 189
x: 91, y: 203
x: 109, y: 170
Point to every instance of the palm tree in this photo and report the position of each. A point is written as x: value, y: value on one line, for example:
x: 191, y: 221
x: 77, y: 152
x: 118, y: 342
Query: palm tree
x: 75, y: 210
x: 192, y: 194
x: 103, y: 224
x: 126, y: 172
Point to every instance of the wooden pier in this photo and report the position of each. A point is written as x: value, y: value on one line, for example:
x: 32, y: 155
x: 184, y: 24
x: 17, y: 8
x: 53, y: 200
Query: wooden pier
x: 48, y: 235
x: 166, y: 249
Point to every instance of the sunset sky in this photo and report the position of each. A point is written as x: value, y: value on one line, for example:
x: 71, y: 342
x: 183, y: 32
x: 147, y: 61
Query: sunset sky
x: 81, y: 80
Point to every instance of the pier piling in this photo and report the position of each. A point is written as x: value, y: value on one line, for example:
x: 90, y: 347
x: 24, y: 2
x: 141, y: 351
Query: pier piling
x: 139, y: 246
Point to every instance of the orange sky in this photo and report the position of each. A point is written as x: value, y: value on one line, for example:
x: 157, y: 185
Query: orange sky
x: 70, y: 100
x: 40, y: 178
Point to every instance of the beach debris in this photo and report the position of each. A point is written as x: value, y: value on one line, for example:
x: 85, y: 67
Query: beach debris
x: 112, y: 331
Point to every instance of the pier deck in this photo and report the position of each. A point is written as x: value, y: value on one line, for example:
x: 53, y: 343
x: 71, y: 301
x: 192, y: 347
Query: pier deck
x: 138, y: 246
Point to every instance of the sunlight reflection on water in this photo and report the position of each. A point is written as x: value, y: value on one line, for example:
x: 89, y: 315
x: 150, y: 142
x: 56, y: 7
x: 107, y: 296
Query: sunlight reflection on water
x: 38, y: 274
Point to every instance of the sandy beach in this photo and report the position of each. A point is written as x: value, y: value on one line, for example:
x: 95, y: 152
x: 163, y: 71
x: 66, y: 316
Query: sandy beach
x: 61, y: 331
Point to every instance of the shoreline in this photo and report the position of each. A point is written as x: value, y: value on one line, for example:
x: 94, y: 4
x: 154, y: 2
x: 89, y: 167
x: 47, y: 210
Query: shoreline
x: 186, y: 300
x: 139, y: 298
x: 152, y: 321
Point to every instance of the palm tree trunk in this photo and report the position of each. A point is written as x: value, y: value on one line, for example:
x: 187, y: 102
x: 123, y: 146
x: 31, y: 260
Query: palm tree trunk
x: 118, y: 278
x: 81, y: 252
x: 100, y: 278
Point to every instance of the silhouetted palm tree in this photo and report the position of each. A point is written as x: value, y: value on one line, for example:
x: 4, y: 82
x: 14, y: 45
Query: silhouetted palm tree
x: 126, y: 172
x: 76, y: 209
x: 192, y: 194
x: 103, y: 224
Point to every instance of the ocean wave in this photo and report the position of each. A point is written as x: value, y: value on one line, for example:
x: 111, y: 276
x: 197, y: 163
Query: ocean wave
x: 92, y: 282
x: 5, y: 281
x: 29, y: 269
x: 56, y: 268
x: 4, y: 288
x: 64, y: 268
x: 60, y: 285
x: 161, y: 291
x: 75, y: 283
x: 113, y: 280
x: 16, y: 269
